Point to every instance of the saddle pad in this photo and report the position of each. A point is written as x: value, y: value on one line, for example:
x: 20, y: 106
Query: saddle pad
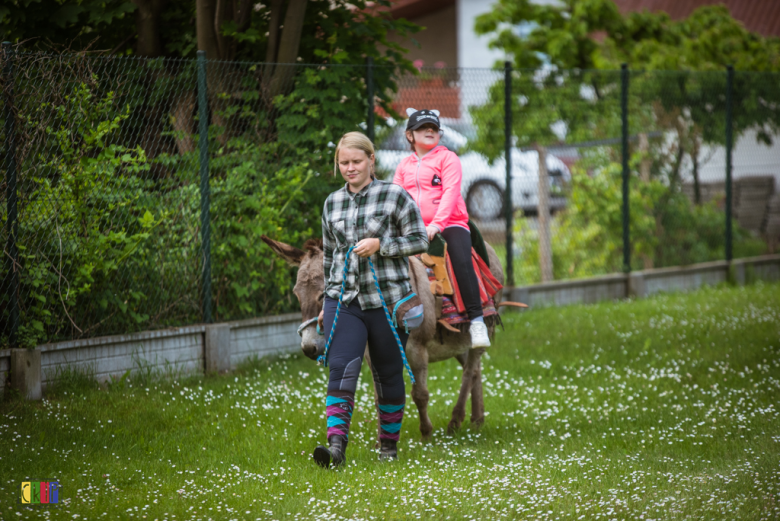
x: 452, y: 309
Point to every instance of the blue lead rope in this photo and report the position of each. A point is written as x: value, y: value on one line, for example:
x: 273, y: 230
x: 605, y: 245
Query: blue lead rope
x: 323, y: 359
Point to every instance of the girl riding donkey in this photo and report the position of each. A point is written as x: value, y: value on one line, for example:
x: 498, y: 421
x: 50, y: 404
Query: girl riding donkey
x: 432, y: 176
x: 376, y: 221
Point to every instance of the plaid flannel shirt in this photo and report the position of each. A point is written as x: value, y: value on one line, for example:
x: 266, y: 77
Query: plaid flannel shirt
x: 381, y: 210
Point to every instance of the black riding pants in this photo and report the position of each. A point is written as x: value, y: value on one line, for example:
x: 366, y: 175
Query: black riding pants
x: 459, y: 247
x: 354, y: 328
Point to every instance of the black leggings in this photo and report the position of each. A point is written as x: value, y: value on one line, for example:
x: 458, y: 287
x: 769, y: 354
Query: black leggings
x: 355, y: 327
x: 459, y: 247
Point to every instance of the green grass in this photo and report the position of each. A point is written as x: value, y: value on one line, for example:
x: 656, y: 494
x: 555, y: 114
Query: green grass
x: 664, y: 408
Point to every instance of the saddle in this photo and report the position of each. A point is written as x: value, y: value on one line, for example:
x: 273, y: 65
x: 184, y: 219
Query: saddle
x: 437, y: 259
x: 450, y: 309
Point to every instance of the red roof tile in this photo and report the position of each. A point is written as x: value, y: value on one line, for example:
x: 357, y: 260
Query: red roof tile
x: 760, y: 16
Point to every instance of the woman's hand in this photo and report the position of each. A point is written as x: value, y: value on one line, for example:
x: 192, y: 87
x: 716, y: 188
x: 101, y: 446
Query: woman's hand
x: 321, y: 320
x: 367, y: 247
x: 431, y: 230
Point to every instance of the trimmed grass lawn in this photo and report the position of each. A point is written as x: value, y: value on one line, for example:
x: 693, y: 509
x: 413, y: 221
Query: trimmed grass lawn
x: 663, y: 408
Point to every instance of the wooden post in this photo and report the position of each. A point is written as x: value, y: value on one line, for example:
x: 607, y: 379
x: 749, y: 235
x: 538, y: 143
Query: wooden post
x: 26, y: 373
x: 545, y: 248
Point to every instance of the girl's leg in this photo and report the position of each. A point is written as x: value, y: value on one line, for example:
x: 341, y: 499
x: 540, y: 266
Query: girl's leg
x: 459, y: 248
x: 387, y: 367
x: 344, y: 360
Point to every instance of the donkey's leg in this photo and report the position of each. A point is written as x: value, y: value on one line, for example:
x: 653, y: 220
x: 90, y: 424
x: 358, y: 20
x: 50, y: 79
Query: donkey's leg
x: 477, y: 398
x: 418, y: 361
x: 376, y: 396
x: 466, y: 382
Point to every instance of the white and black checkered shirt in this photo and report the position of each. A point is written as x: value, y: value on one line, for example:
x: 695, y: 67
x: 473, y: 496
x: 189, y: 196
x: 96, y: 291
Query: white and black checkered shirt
x: 381, y: 210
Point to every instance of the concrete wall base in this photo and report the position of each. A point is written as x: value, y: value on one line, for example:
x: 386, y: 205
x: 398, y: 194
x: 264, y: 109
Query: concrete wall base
x: 217, y: 348
x: 26, y: 373
x: 166, y: 353
x: 644, y: 283
x: 220, y: 347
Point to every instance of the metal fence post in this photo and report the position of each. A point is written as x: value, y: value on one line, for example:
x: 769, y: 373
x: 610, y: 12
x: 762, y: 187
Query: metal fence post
x: 11, y: 193
x: 508, y: 210
x: 729, y: 143
x: 370, y: 96
x: 624, y: 125
x: 205, y: 216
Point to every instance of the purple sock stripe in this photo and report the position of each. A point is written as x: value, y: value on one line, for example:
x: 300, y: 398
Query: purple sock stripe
x: 335, y: 431
x: 341, y: 410
x: 391, y: 417
x: 389, y: 436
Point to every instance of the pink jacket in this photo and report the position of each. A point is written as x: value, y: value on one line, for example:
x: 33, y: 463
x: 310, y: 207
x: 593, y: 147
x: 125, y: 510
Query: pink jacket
x: 434, y: 184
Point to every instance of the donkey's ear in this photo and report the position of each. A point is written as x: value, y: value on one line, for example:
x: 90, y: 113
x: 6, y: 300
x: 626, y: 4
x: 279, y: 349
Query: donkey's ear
x: 289, y: 253
x: 313, y: 245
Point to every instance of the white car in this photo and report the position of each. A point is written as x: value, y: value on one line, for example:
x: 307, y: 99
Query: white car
x: 483, y: 184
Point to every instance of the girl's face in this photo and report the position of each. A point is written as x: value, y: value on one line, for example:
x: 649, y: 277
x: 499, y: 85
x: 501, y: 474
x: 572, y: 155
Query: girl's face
x: 355, y: 167
x: 425, y: 138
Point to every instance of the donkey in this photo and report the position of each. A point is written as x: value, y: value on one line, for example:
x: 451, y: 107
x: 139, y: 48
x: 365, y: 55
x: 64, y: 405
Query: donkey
x: 424, y: 345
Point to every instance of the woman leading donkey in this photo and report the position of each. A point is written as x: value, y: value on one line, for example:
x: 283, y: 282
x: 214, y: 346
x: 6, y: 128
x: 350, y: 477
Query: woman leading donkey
x: 369, y: 227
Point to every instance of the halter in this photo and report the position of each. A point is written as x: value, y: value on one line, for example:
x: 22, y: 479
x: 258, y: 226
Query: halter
x: 323, y: 359
x: 307, y: 324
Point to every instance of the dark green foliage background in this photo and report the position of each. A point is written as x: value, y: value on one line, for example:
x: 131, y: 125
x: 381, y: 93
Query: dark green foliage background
x: 109, y: 233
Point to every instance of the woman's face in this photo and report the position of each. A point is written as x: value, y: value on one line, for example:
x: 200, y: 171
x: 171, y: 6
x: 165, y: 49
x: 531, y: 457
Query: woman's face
x: 426, y: 137
x: 355, y: 167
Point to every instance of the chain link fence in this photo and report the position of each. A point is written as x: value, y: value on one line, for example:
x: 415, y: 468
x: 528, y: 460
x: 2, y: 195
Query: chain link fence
x: 135, y: 190
x: 641, y: 155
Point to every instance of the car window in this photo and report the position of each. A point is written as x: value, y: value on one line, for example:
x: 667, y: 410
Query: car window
x: 448, y: 141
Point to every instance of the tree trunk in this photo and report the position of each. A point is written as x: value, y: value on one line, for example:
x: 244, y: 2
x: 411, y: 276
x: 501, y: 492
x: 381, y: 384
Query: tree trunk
x: 277, y: 8
x: 644, y: 166
x: 288, y: 46
x: 204, y: 25
x: 147, y: 25
x: 695, y: 147
x: 545, y: 248
x: 644, y: 175
x: 184, y: 122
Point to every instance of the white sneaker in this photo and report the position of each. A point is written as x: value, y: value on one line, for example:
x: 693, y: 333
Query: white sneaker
x: 479, y: 335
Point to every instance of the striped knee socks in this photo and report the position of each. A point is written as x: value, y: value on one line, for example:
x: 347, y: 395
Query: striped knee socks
x: 338, y: 407
x: 391, y: 414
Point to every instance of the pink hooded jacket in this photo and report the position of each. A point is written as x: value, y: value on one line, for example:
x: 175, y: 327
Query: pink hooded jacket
x: 433, y: 181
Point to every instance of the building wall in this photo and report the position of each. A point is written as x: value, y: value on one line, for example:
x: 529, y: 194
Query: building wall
x: 473, y: 50
x: 438, y: 41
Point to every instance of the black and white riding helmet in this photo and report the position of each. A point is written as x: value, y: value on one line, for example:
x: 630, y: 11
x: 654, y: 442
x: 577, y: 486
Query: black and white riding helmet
x: 418, y: 118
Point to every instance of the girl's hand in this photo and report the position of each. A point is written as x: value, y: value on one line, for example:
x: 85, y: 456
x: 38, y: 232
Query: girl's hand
x: 431, y: 230
x: 367, y: 247
x: 321, y: 320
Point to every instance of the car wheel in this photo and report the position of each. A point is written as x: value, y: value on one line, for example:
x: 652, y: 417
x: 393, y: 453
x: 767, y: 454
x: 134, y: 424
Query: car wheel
x: 485, y: 201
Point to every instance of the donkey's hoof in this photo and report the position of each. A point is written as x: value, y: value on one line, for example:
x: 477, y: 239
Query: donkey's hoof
x: 477, y: 422
x: 426, y: 430
x: 452, y: 427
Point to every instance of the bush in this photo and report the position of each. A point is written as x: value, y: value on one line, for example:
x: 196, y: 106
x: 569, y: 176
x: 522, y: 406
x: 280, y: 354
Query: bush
x: 666, y: 229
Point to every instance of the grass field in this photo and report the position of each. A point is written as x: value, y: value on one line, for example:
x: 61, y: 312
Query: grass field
x: 664, y: 408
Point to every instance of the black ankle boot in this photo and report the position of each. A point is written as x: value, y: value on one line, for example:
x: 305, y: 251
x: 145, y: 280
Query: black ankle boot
x: 334, y: 455
x: 388, y: 450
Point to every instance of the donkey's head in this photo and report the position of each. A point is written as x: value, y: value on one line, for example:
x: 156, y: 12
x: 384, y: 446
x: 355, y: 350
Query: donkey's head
x: 309, y: 288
